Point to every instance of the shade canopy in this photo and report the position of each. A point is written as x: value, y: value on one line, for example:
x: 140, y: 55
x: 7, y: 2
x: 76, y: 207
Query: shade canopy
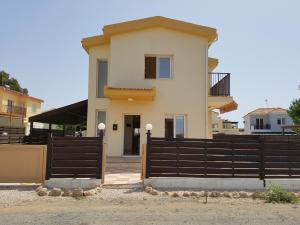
x: 73, y: 114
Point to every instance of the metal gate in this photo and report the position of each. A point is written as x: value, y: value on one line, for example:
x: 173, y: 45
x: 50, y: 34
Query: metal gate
x: 74, y: 157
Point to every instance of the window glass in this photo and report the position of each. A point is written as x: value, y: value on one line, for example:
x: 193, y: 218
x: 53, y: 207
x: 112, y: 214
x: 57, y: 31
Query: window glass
x: 278, y: 121
x: 283, y: 120
x: 102, y: 78
x: 101, y: 118
x: 179, y: 130
x: 150, y: 67
x: 169, y: 128
x: 164, y: 68
x: 33, y: 108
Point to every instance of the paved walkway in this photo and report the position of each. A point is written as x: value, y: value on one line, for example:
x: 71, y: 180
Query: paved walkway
x: 122, y: 171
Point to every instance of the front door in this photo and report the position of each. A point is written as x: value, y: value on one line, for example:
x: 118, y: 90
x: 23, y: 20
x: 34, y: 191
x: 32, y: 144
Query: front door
x: 132, y: 134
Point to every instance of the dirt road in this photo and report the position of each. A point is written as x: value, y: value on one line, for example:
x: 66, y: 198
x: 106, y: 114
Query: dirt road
x: 140, y: 208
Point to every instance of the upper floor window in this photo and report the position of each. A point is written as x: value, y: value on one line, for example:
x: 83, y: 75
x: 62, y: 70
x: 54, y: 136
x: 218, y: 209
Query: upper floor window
x: 158, y: 67
x: 33, y: 109
x: 101, y: 77
x: 10, y: 105
x: 259, y: 123
x: 281, y: 121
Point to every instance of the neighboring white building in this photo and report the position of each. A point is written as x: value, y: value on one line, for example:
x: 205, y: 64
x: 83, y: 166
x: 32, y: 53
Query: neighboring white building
x: 267, y: 121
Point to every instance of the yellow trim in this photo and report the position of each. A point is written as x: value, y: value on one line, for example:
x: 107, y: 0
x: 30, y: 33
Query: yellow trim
x: 157, y: 21
x: 212, y: 63
x: 229, y: 107
x: 129, y: 94
x: 223, y: 103
x: 19, y: 94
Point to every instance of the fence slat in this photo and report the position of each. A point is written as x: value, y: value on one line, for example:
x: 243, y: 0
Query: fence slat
x: 74, y: 157
x: 250, y: 156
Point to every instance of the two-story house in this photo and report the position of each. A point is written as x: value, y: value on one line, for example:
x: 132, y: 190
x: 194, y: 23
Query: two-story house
x: 16, y: 108
x: 154, y: 70
x: 266, y: 121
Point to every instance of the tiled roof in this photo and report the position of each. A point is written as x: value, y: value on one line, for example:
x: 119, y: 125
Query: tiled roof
x: 265, y: 111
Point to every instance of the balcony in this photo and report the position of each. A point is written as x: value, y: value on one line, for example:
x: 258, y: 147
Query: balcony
x: 13, y: 110
x: 220, y: 84
x: 219, y: 93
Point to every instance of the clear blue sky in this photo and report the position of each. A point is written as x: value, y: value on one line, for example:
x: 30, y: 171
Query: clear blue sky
x: 259, y: 43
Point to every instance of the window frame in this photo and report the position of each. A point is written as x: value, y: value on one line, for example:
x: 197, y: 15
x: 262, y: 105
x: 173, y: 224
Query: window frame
x: 158, y: 57
x: 173, y: 117
x: 184, y: 125
x: 97, y: 76
x: 97, y: 122
x: 157, y: 77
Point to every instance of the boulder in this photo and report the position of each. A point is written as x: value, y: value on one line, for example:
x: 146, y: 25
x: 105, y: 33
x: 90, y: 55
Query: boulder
x: 243, y: 194
x: 55, y: 192
x: 89, y: 193
x: 256, y: 195
x: 186, y: 194
x: 166, y: 193
x: 175, y: 195
x: 153, y: 192
x: 38, y: 188
x: 42, y: 192
x: 148, y: 189
x: 226, y: 194
x: 77, y: 192
x: 194, y: 194
x: 67, y: 193
x: 215, y: 194
x: 235, y: 195
x: 98, y: 189
x: 202, y: 193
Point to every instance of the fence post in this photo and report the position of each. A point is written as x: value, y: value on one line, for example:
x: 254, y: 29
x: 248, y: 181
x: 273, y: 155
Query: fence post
x: 262, y: 160
x: 100, y: 173
x: 148, y: 154
x: 177, y: 157
x: 49, y: 156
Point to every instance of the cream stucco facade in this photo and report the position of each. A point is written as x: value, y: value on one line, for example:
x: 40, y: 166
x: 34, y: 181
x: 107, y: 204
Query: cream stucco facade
x: 16, y: 108
x: 185, y: 94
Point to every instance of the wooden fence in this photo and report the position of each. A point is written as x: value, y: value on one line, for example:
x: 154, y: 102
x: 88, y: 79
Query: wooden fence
x: 11, y: 135
x: 74, y: 157
x: 262, y: 158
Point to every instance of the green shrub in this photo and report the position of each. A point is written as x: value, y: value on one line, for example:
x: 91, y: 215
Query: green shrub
x: 276, y: 194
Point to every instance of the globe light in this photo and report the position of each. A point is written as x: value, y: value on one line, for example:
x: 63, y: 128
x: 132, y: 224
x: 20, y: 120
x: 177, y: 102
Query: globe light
x: 101, y: 126
x: 148, y: 126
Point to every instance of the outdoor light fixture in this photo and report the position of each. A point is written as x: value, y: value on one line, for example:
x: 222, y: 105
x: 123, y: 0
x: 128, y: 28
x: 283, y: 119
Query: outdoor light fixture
x: 148, y: 126
x: 101, y: 126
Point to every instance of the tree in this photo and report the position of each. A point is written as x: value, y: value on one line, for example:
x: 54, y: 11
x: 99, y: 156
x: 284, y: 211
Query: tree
x: 11, y: 82
x: 294, y: 111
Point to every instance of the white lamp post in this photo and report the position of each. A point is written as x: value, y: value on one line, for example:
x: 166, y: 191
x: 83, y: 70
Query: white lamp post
x: 101, y: 127
x: 148, y: 127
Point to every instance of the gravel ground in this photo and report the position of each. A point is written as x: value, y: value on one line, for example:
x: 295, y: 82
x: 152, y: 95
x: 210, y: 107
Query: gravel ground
x: 133, y: 206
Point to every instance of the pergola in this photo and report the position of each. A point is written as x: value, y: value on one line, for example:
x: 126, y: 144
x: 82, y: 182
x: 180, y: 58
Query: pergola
x: 284, y: 127
x: 73, y: 114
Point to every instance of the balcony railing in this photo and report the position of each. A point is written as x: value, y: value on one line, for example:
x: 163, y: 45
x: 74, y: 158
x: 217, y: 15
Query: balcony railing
x: 220, y: 84
x: 261, y: 127
x: 13, y: 110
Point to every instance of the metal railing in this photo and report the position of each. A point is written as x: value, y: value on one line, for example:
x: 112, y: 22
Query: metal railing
x: 220, y: 84
x: 13, y: 109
